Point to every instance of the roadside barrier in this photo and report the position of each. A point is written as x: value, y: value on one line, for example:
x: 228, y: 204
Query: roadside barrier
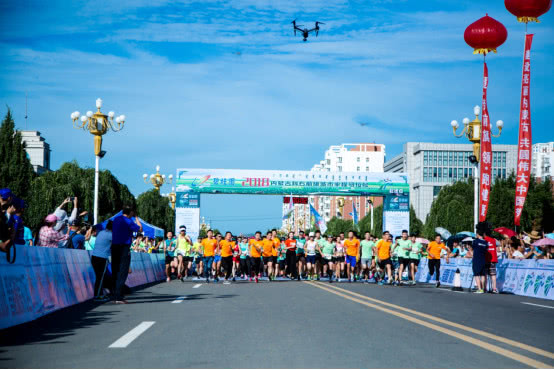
x: 531, y: 278
x: 43, y: 280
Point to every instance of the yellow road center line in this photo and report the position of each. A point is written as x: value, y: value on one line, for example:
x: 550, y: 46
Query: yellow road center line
x: 488, y: 346
x: 497, y: 338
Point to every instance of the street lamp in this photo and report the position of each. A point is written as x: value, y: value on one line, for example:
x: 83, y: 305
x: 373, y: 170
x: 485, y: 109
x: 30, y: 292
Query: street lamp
x: 472, y: 130
x: 156, y: 179
x: 172, y: 197
x: 97, y: 124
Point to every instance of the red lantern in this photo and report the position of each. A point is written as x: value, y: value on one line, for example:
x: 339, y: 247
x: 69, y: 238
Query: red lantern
x: 528, y: 10
x: 485, y: 35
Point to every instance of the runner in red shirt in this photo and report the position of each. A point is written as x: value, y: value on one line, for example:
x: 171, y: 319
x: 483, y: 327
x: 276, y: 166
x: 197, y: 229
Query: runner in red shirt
x: 491, y: 259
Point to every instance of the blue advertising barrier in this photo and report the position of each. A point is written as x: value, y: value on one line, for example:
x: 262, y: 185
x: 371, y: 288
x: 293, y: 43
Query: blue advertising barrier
x: 531, y: 278
x: 43, y: 280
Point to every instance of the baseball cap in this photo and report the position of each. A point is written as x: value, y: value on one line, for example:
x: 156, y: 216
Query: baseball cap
x: 51, y: 218
x: 18, y: 203
x: 5, y: 193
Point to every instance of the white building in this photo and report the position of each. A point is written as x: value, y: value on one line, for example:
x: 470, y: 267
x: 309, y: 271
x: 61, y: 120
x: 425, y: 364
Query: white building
x: 543, y: 159
x: 356, y: 157
x: 431, y: 166
x: 37, y: 149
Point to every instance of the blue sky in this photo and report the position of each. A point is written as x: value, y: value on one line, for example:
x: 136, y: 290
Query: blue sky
x: 225, y: 84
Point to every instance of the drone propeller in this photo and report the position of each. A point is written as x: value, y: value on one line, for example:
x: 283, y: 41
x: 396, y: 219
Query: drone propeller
x: 317, y: 27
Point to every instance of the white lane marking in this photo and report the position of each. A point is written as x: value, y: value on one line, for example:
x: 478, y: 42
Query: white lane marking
x: 180, y: 299
x: 450, y: 290
x: 125, y: 340
x: 539, y: 305
x: 197, y: 286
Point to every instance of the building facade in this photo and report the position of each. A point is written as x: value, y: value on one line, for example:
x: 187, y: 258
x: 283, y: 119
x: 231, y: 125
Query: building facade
x: 431, y: 166
x: 542, y: 160
x: 354, y: 157
x: 38, y: 150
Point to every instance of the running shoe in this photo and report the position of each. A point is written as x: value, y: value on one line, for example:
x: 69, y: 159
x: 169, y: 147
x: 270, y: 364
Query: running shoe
x: 208, y: 280
x: 438, y: 284
x: 216, y: 279
x: 256, y: 278
x: 381, y: 282
x: 101, y: 299
x: 479, y: 291
x: 355, y: 278
x: 250, y: 278
x: 309, y: 278
x: 494, y: 291
x: 317, y: 277
x: 168, y: 280
x: 234, y: 279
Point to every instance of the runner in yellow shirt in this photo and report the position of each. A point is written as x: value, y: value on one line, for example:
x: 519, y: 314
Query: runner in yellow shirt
x: 276, y: 249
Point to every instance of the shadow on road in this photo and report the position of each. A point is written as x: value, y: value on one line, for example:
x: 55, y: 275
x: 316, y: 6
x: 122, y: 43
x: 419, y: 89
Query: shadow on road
x: 56, y: 325
x: 65, y: 322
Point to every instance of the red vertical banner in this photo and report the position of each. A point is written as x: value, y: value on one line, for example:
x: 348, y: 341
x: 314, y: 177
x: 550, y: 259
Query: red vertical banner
x: 524, y: 149
x: 486, y: 151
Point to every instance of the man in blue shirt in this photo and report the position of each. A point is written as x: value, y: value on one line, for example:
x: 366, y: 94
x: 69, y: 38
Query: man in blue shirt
x: 122, y: 237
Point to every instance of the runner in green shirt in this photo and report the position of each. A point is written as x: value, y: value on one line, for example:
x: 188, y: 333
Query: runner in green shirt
x: 415, y: 255
x: 300, y: 257
x: 404, y: 245
x: 327, y: 249
x: 368, y: 263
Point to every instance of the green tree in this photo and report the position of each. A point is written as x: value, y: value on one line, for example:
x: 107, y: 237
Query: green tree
x: 155, y: 209
x: 336, y: 225
x: 416, y: 226
x: 451, y: 209
x: 49, y: 190
x: 16, y: 171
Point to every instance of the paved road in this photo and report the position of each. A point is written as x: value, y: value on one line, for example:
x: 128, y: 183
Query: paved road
x: 289, y: 325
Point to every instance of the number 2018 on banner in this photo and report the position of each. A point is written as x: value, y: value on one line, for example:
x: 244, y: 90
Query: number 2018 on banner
x: 256, y: 181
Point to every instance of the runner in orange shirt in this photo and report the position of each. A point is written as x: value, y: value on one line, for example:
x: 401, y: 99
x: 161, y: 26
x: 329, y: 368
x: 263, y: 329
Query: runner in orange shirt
x: 226, y: 247
x: 256, y: 247
x: 276, y: 248
x: 383, y: 256
x: 434, y: 258
x: 352, y: 245
x: 210, y: 246
x: 268, y: 254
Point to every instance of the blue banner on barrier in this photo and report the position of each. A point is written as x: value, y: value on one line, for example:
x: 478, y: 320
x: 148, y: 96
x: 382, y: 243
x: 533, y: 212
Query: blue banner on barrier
x: 532, y: 278
x: 43, y: 280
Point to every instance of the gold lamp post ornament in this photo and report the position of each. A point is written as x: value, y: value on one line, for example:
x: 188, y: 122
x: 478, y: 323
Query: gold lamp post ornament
x: 157, y: 179
x: 172, y: 197
x: 472, y: 130
x: 97, y: 124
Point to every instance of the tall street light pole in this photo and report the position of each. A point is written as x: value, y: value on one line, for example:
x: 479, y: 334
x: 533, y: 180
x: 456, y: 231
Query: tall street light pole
x: 97, y: 124
x: 472, y: 130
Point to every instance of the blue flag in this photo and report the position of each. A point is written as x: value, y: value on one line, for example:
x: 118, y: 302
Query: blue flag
x: 318, y: 220
x: 354, y: 214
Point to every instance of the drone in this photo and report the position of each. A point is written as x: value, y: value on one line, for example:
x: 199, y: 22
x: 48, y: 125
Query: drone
x: 305, y: 31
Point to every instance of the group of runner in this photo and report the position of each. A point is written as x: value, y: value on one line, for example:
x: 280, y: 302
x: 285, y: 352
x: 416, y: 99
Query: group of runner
x: 311, y: 257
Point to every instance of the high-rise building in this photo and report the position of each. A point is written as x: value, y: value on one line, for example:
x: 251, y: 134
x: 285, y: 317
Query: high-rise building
x: 542, y: 160
x: 37, y: 149
x: 431, y: 166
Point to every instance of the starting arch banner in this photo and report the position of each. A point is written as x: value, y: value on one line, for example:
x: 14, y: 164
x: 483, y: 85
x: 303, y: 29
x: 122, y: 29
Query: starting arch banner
x: 191, y: 182
x: 277, y: 182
